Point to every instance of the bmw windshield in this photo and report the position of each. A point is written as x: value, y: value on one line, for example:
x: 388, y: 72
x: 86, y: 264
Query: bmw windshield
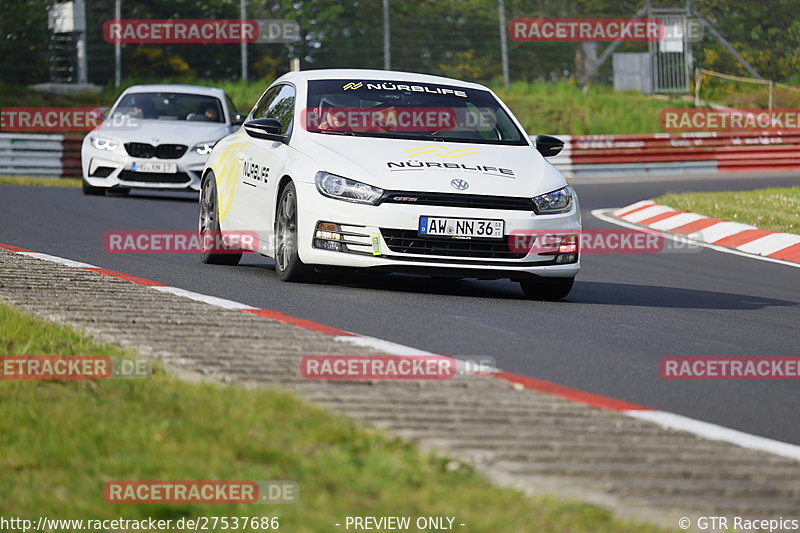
x: 408, y: 110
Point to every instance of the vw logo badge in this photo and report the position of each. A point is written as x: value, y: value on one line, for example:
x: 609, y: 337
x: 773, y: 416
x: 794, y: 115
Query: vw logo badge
x: 460, y: 185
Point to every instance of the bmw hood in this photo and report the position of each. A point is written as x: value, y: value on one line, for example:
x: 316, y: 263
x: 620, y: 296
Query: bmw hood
x: 165, y: 132
x: 403, y: 165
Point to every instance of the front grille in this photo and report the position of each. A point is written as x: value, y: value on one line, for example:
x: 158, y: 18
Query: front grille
x: 410, y: 242
x: 154, y: 177
x: 162, y: 151
x: 512, y: 203
x: 170, y: 151
x: 140, y: 150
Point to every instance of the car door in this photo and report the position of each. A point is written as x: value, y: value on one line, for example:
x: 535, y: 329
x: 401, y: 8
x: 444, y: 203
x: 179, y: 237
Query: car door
x: 263, y: 164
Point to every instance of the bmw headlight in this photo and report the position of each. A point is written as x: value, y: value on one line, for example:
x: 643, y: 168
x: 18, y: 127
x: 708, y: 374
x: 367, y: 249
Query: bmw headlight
x: 559, y: 201
x: 334, y: 186
x: 101, y: 143
x: 204, y: 148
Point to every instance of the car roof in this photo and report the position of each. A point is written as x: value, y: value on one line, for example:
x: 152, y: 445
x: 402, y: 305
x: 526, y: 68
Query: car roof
x: 389, y: 75
x: 176, y: 88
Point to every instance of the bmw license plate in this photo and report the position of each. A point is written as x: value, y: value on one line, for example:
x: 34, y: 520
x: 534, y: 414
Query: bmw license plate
x: 461, y: 227
x: 157, y: 168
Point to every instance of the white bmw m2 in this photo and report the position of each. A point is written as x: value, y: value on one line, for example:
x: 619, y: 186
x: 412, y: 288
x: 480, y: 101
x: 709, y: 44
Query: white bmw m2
x: 394, y: 172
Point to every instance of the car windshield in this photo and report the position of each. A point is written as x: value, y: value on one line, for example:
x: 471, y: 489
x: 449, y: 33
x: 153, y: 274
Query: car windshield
x: 169, y: 106
x: 408, y: 110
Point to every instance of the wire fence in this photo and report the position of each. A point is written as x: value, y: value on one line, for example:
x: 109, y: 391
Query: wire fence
x: 457, y: 38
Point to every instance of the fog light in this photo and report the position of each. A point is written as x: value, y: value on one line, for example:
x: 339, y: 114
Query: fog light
x: 566, y: 258
x: 327, y: 245
x: 569, y: 244
x: 329, y: 235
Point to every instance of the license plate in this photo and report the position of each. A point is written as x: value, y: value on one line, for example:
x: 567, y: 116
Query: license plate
x: 461, y: 227
x: 158, y: 168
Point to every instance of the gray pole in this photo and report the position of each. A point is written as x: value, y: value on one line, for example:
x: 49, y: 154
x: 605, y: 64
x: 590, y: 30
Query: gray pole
x: 80, y: 23
x: 387, y: 38
x: 501, y: 7
x: 117, y: 48
x: 243, y: 16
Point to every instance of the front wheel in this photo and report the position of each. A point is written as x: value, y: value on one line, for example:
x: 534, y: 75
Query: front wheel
x: 547, y: 288
x: 210, y: 228
x: 288, y: 265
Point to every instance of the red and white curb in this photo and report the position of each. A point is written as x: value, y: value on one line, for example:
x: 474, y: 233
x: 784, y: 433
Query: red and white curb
x: 662, y: 418
x: 712, y: 232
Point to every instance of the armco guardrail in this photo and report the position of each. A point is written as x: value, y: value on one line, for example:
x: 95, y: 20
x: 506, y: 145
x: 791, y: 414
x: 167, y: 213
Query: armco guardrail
x: 678, y: 153
x: 583, y: 155
x: 40, y: 155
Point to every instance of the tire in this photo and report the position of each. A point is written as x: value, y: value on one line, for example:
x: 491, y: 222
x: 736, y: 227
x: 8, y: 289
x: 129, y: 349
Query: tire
x: 547, y: 288
x: 208, y: 221
x: 90, y: 190
x: 288, y: 265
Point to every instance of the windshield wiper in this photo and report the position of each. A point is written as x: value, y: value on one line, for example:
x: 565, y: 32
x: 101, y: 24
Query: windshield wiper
x: 335, y: 132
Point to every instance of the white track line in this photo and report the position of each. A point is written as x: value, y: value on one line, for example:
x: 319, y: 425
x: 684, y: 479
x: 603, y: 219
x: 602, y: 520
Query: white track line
x: 676, y: 221
x: 769, y: 244
x: 663, y: 418
x: 59, y: 260
x: 605, y: 216
x: 715, y: 432
x: 647, y: 212
x: 720, y: 230
x: 213, y: 300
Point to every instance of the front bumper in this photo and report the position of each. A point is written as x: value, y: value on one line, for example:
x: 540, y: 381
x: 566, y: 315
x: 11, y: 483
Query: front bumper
x: 372, y: 239
x: 102, y: 168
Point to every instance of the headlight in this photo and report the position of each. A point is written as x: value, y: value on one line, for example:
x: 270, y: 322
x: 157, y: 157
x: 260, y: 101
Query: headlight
x: 104, y: 144
x: 204, y: 148
x: 341, y: 188
x: 558, y: 201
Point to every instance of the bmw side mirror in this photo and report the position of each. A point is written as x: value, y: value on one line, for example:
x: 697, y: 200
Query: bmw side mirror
x: 238, y: 119
x: 265, y: 128
x: 548, y: 146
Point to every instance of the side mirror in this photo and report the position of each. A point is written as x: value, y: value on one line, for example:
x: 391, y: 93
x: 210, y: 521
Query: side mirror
x: 265, y: 128
x: 548, y: 146
x: 238, y: 119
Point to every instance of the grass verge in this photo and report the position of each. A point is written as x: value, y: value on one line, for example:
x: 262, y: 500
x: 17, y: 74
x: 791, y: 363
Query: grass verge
x: 556, y: 108
x: 774, y: 209
x: 40, y: 182
x: 61, y: 441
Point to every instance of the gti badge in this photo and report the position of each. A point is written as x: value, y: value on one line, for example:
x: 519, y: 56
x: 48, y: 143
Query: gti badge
x: 460, y: 185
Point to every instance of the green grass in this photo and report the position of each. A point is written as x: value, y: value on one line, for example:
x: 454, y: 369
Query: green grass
x: 61, y: 441
x: 559, y: 108
x: 40, y: 182
x: 775, y: 209
x: 565, y: 108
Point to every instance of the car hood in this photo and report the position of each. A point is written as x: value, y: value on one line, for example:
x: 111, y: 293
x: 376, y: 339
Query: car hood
x: 403, y: 165
x: 165, y: 132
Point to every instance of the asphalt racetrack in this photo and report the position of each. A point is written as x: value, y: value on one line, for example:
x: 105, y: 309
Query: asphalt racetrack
x: 626, y: 312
